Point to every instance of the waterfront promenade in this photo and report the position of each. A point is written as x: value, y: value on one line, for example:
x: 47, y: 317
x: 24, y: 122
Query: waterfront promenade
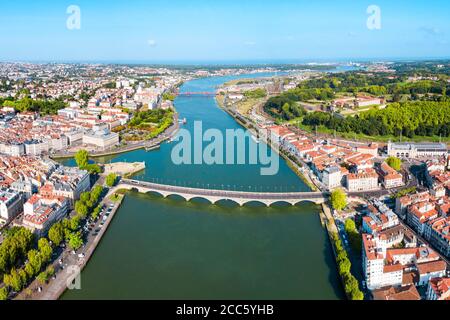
x: 72, y: 263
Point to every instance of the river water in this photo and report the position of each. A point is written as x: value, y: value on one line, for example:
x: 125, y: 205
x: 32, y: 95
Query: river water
x: 159, y: 248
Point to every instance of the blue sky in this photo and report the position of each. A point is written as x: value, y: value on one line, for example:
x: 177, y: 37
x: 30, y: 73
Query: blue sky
x: 217, y: 30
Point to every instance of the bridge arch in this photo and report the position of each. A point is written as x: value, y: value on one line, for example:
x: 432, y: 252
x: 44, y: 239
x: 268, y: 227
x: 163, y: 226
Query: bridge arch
x: 155, y: 193
x: 204, y: 199
x: 261, y: 203
x: 284, y: 202
x: 317, y: 202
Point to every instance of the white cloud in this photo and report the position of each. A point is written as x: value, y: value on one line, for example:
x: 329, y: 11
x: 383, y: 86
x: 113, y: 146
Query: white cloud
x: 250, y: 43
x: 151, y: 43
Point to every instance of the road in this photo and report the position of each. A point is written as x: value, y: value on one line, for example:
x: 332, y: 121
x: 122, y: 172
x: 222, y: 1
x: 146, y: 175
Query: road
x: 67, y: 263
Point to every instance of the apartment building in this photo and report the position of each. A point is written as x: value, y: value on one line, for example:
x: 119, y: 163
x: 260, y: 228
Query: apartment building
x: 390, y: 177
x: 10, y: 204
x: 438, y: 289
x: 363, y: 180
x: 41, y: 212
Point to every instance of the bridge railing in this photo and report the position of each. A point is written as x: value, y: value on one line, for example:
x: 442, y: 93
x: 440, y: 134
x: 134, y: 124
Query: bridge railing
x: 226, y: 193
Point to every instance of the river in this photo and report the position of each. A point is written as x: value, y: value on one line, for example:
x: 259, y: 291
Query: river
x: 170, y: 249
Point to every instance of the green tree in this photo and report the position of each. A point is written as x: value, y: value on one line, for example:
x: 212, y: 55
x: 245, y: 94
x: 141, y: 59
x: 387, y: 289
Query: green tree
x: 29, y: 270
x: 82, y: 158
x: 395, y: 163
x: 84, y: 197
x: 35, y: 260
x: 93, y: 168
x: 356, y: 294
x: 344, y: 266
x: 74, y: 223
x: 338, y: 199
x: 56, y: 233
x: 50, y: 271
x: 4, y: 293
x: 81, y: 208
x: 75, y: 241
x: 23, y: 276
x: 42, y: 277
x: 111, y: 179
x: 13, y: 280
x: 45, y: 249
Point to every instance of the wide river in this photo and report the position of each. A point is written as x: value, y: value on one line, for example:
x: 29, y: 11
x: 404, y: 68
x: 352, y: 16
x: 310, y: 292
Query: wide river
x: 159, y: 248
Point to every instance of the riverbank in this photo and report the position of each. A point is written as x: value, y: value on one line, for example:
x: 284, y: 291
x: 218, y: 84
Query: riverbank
x: 254, y: 130
x: 72, y: 265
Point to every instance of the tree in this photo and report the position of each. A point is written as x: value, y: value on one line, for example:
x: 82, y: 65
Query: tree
x: 74, y: 223
x: 356, y: 294
x: 394, y: 162
x: 81, y: 208
x: 344, y: 266
x: 23, y: 276
x: 42, y: 277
x: 75, y: 241
x: 82, y: 158
x: 45, y: 249
x: 338, y: 199
x: 96, y: 213
x: 111, y: 180
x: 50, y: 271
x: 4, y: 293
x: 56, y: 233
x: 84, y: 197
x: 29, y: 270
x: 35, y: 260
x: 353, y: 235
x: 13, y: 280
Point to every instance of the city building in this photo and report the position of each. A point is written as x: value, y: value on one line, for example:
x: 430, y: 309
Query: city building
x: 390, y: 177
x: 332, y: 177
x: 416, y: 150
x: 408, y: 292
x: 10, y: 204
x: 101, y: 139
x: 438, y: 289
x: 363, y: 180
x: 41, y: 212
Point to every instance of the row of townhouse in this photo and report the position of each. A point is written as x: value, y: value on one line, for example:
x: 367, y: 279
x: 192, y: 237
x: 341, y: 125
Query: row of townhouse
x: 337, y: 164
x: 48, y: 199
x: 429, y: 216
x: 25, y: 136
x: 390, y: 268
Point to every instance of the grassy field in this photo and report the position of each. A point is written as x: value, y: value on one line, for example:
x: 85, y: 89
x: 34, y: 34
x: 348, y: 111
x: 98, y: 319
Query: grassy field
x: 246, y: 105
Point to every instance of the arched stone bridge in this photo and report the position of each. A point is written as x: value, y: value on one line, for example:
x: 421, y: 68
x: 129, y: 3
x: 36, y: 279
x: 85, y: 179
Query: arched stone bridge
x: 213, y: 196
